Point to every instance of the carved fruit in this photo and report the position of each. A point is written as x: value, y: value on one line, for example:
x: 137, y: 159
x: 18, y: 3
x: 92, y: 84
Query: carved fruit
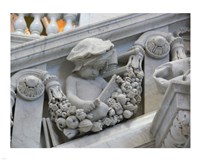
x: 114, y: 120
x: 130, y: 107
x: 97, y: 126
x: 61, y: 123
x: 107, y: 121
x: 80, y: 114
x: 118, y: 108
x: 127, y: 114
x: 72, y: 122
x: 72, y: 110
x: 121, y: 98
x: 85, y: 125
x: 111, y: 112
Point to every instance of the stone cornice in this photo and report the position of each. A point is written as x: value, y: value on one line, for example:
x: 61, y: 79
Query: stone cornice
x: 18, y: 39
x: 57, y: 46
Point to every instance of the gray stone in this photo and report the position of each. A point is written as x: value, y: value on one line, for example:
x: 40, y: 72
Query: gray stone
x: 171, y: 125
x: 46, y: 133
x: 27, y: 123
x: 28, y: 115
x: 133, y: 133
x: 57, y: 46
x: 170, y: 71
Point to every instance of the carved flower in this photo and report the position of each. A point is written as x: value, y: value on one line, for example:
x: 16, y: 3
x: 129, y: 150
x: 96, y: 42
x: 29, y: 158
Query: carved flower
x: 121, y: 98
x: 118, y: 108
x: 59, y: 112
x: 97, y: 126
x: 64, y: 114
x: 80, y: 114
x: 85, y: 125
x: 54, y: 107
x: 127, y: 114
x: 111, y: 101
x: 157, y: 47
x: 30, y: 87
x: 114, y: 120
x: 72, y: 109
x: 119, y: 79
x: 107, y: 121
x: 128, y: 79
x: 111, y: 112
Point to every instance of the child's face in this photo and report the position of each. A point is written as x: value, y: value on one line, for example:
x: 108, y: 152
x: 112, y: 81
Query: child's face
x: 89, y: 72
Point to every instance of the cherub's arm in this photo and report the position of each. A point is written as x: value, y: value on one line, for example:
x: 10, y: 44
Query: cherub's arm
x: 71, y: 91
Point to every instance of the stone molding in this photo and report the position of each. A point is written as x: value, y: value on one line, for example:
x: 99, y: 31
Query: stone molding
x: 171, y: 124
x: 57, y: 46
x: 19, y: 39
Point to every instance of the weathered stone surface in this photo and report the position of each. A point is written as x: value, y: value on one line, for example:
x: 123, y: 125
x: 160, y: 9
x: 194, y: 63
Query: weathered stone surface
x: 46, y: 133
x: 27, y: 121
x: 57, y: 46
x: 153, y: 97
x: 171, y: 125
x: 133, y: 133
x: 92, y: 18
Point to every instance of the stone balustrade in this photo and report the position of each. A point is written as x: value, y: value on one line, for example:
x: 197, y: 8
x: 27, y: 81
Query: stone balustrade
x: 44, y: 24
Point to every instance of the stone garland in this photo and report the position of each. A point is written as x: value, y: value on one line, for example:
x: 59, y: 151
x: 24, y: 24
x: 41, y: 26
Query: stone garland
x: 123, y: 104
x: 179, y: 132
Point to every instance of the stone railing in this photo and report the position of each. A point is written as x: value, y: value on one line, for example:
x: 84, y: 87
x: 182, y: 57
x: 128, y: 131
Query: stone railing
x: 44, y: 24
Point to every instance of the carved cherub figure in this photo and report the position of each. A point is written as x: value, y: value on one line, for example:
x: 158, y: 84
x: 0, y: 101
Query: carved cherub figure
x: 85, y: 84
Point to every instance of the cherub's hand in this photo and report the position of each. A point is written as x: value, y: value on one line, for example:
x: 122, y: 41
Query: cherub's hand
x: 88, y: 106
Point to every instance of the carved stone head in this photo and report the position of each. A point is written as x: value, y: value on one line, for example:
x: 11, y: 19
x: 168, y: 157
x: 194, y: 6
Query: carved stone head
x: 90, y: 51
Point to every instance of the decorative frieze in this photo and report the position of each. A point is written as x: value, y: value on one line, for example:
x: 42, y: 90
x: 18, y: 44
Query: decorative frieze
x: 51, y: 48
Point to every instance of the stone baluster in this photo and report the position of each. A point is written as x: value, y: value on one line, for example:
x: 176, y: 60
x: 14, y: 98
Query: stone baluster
x: 36, y: 26
x: 52, y: 28
x: 20, y: 24
x: 69, y: 18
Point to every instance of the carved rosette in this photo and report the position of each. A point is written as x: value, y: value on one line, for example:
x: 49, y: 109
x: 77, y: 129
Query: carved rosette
x: 157, y: 47
x: 179, y: 131
x: 30, y: 87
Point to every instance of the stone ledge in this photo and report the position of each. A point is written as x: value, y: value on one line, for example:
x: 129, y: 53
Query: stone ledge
x: 19, y: 39
x: 57, y: 46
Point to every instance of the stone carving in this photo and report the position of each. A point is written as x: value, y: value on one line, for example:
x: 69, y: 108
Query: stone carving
x: 167, y: 72
x: 157, y: 46
x: 183, y: 32
x: 82, y: 110
x: 179, y: 132
x: 177, y: 48
x: 30, y: 87
x: 34, y: 86
x: 171, y: 125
